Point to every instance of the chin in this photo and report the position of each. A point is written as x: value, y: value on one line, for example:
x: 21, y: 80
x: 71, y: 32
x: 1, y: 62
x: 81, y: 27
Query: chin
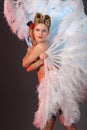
x: 40, y: 41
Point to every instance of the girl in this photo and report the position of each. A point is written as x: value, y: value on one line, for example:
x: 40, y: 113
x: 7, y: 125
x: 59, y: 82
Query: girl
x: 34, y: 58
x: 38, y: 35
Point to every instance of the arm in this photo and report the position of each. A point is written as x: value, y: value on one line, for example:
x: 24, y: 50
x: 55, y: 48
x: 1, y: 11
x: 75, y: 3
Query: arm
x: 35, y: 65
x: 33, y: 56
x: 38, y: 63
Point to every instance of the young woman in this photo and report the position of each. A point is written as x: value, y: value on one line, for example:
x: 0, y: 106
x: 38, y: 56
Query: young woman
x: 62, y: 74
x: 38, y: 34
x: 34, y: 58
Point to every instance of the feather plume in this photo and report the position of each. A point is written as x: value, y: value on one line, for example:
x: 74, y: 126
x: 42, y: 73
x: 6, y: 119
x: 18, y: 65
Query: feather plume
x: 64, y: 85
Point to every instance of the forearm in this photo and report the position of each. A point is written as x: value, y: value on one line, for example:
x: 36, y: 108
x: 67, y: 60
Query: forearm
x: 35, y: 65
x: 32, y: 56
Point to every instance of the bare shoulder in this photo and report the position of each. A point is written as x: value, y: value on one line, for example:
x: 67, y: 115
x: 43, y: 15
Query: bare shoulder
x: 43, y: 46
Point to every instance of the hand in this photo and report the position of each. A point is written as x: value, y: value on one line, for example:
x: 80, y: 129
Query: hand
x: 43, y: 55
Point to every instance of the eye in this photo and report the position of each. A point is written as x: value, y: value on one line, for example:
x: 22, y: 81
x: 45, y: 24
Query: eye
x: 44, y: 30
x: 37, y: 29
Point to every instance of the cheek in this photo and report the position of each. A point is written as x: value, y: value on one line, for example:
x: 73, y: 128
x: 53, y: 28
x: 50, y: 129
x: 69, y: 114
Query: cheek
x: 45, y: 35
x: 35, y: 36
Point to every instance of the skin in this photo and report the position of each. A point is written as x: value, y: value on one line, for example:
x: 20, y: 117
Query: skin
x: 34, y: 59
x: 34, y: 56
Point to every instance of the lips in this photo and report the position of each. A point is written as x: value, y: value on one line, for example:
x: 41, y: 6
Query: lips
x: 40, y: 37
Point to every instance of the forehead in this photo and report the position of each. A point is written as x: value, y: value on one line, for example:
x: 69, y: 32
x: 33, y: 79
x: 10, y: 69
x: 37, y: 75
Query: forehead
x: 41, y: 25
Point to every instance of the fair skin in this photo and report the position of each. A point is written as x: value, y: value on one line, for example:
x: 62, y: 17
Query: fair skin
x: 34, y: 59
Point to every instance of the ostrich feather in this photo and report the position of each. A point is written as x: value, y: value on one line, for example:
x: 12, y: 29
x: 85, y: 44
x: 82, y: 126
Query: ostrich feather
x: 64, y: 85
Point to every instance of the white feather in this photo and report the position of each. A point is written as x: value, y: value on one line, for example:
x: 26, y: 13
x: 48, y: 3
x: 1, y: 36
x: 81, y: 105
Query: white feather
x: 65, y: 83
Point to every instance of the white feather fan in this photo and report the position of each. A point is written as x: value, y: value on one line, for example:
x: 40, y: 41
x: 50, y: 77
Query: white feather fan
x: 65, y: 81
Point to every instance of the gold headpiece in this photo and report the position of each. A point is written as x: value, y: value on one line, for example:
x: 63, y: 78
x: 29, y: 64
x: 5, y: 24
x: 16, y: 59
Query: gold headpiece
x: 39, y: 18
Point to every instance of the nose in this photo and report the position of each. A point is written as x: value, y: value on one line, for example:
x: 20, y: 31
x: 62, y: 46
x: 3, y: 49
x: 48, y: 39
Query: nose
x: 41, y: 33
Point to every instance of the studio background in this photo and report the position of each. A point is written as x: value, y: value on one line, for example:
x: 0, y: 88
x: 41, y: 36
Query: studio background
x: 18, y: 97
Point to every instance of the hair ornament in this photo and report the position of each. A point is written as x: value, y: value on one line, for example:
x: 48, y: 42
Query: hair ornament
x: 30, y: 24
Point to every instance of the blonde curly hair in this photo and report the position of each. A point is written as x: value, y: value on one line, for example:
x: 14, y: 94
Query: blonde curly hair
x: 39, y: 18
